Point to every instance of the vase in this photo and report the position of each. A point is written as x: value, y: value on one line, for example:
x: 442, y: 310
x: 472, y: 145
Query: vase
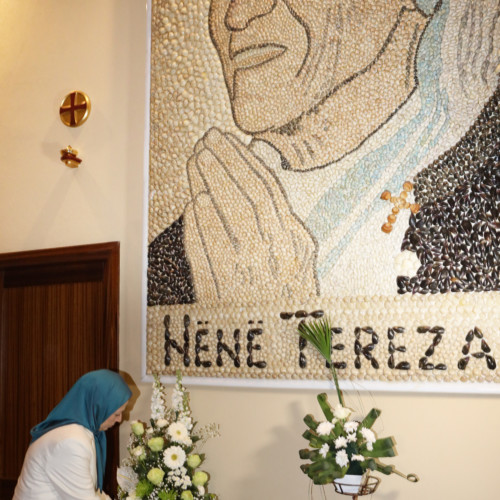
x: 350, y: 484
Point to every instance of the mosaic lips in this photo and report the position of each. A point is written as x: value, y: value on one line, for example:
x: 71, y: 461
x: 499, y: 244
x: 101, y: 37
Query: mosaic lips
x: 256, y: 55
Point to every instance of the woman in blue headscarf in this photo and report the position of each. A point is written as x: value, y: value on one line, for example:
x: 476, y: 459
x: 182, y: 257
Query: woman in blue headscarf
x: 67, y: 454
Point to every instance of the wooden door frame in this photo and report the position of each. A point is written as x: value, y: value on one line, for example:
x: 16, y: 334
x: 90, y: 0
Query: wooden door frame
x: 16, y: 268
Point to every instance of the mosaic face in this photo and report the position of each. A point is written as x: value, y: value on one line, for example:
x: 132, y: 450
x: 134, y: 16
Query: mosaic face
x: 281, y: 58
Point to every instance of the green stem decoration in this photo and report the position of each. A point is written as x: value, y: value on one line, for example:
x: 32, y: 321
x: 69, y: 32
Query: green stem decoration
x: 336, y: 380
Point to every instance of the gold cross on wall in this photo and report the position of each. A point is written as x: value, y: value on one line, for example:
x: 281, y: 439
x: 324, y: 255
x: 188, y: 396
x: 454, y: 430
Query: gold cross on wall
x: 75, y: 109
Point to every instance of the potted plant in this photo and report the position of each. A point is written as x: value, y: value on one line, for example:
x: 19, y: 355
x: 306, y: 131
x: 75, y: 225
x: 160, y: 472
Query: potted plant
x: 342, y: 449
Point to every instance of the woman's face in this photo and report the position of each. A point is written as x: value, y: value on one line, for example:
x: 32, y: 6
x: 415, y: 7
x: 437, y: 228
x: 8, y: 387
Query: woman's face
x: 281, y: 57
x: 115, y: 417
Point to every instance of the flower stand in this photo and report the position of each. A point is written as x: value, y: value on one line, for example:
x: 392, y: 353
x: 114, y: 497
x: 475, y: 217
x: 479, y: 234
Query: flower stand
x: 356, y: 486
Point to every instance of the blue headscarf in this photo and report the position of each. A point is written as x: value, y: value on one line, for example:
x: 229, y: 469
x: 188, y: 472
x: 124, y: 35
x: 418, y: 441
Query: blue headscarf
x: 93, y: 398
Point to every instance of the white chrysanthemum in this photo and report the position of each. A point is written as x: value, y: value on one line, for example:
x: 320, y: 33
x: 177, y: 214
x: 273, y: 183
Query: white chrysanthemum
x: 341, y: 412
x: 201, y: 490
x: 340, y: 442
x: 357, y: 458
x: 351, y: 438
x: 369, y: 446
x: 368, y: 434
x: 178, y: 432
x: 341, y: 458
x: 351, y: 426
x: 324, y: 450
x: 174, y: 457
x: 324, y: 428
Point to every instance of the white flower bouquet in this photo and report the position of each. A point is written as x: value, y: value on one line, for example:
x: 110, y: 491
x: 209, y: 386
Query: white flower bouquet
x: 340, y: 445
x: 163, y: 463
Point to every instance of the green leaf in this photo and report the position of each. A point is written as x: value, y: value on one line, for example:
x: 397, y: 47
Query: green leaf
x: 307, y: 434
x: 369, y: 420
x: 381, y: 443
x: 379, y: 467
x: 322, y: 465
x: 314, y: 440
x: 305, y: 468
x: 327, y: 477
x: 325, y: 406
x: 312, y: 455
x: 305, y: 453
x: 311, y: 422
x: 318, y: 441
x: 338, y: 430
x: 387, y: 452
x: 325, y: 471
x: 383, y: 447
x: 385, y: 469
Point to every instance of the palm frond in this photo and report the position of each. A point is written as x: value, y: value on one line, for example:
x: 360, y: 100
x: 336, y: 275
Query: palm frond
x: 319, y: 334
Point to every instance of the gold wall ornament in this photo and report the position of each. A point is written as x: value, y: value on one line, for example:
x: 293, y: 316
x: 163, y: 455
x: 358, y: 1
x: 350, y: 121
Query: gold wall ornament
x: 75, y: 109
x: 69, y: 157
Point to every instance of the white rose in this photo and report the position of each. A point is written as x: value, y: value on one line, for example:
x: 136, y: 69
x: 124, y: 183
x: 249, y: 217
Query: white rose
x: 341, y: 412
x: 161, y: 422
x: 137, y: 428
x: 138, y: 451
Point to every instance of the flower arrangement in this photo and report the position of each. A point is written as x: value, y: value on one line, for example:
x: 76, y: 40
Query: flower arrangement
x: 163, y: 463
x: 341, y: 445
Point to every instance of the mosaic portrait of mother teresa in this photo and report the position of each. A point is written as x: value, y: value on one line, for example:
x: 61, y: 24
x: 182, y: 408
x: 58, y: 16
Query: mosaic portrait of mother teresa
x: 336, y: 147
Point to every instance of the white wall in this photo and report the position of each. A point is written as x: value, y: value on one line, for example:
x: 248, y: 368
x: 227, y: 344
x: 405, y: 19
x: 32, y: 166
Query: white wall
x: 52, y: 47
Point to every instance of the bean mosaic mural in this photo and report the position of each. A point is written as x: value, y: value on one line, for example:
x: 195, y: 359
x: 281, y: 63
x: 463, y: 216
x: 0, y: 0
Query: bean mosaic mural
x: 325, y: 157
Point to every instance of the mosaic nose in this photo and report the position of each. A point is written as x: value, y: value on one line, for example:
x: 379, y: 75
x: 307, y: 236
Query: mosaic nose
x: 241, y: 13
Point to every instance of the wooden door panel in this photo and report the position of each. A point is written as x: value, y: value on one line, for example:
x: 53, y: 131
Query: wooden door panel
x: 58, y: 320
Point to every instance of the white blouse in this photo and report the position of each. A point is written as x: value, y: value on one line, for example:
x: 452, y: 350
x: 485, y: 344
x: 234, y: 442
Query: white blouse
x: 60, y: 465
